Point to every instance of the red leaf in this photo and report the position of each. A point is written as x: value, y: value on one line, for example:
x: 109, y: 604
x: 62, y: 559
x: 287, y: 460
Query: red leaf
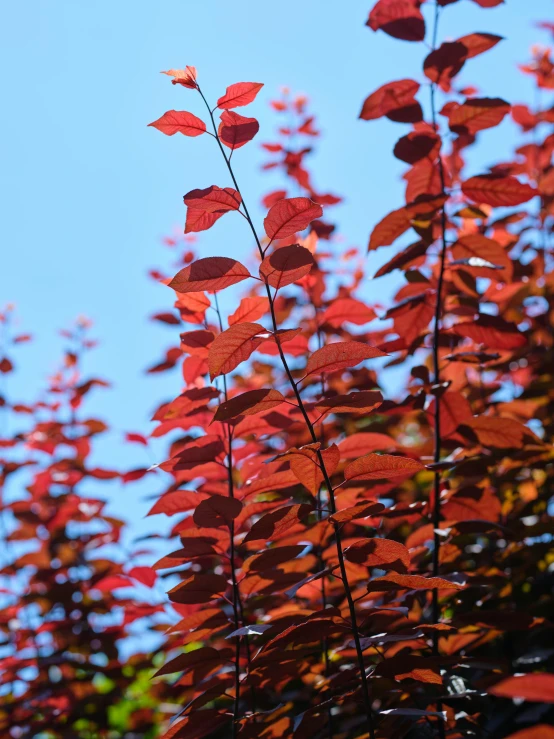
x: 177, y: 501
x: 213, y: 199
x: 364, y: 442
x: 362, y: 401
x: 444, y: 63
x: 249, y: 403
x: 273, y: 525
x: 534, y: 687
x: 381, y: 467
x: 497, y: 190
x: 477, y: 43
x: 145, y: 575
x: 360, y: 510
x: 499, y: 433
x: 491, y: 331
x: 382, y: 553
x: 197, y: 342
x: 250, y: 309
x: 349, y: 310
x: 216, y: 510
x: 416, y: 146
x: 401, y: 19
x: 305, y: 464
x: 488, y: 3
x: 239, y: 94
x: 179, y: 121
x: 423, y: 676
x: 233, y: 346
x: 196, y: 725
x: 205, y: 657
x: 270, y: 558
x: 289, y: 216
x: 136, y: 438
x: 198, y: 589
x: 210, y: 273
x: 404, y: 259
x: 389, y: 228
x: 477, y: 245
x: 201, y: 451
x: 454, y: 410
x: 236, y: 130
x: 394, y: 581
x: 112, y: 582
x: 476, y: 114
x: 205, y: 207
x: 185, y: 77
x: 541, y: 731
x: 286, y: 265
x: 338, y: 356
x: 395, y: 100
x: 199, y: 220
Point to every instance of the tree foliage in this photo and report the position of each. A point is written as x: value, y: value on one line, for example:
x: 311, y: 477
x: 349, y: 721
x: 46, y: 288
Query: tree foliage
x: 351, y: 561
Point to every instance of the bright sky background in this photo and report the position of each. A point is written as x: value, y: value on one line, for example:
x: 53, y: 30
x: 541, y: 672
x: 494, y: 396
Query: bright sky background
x: 87, y: 190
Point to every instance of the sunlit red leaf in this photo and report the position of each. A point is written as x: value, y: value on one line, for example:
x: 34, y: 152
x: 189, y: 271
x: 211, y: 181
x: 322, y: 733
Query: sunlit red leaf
x: 146, y: 575
x: 363, y: 401
x: 392, y: 226
x: 216, y: 510
x: 401, y: 19
x: 202, y: 657
x: 488, y: 3
x: 250, y: 309
x: 497, y: 190
x: 236, y: 130
x: 272, y: 557
x: 477, y: 43
x: 200, y: 588
x: 306, y: 464
x: 475, y: 114
x: 364, y: 442
x: 239, y: 94
x: 286, y: 265
x: 503, y: 433
x: 274, y: 525
x: 536, y: 687
x: 444, y: 63
x: 396, y: 100
x: 394, y: 581
x: 341, y: 355
x: 382, y: 553
x: 289, y: 216
x: 249, y: 403
x: 381, y: 467
x: 233, y: 346
x: 213, y: 199
x: 363, y: 509
x: 210, y: 273
x: 185, y: 77
x: 205, y: 207
x: 491, y: 331
x: 179, y: 121
x: 348, y: 310
x: 112, y: 582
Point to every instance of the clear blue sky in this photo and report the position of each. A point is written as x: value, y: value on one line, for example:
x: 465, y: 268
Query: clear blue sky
x: 87, y: 190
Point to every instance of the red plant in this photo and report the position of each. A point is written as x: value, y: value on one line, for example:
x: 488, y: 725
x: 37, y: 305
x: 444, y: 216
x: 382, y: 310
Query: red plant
x: 371, y: 562
x: 64, y: 568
